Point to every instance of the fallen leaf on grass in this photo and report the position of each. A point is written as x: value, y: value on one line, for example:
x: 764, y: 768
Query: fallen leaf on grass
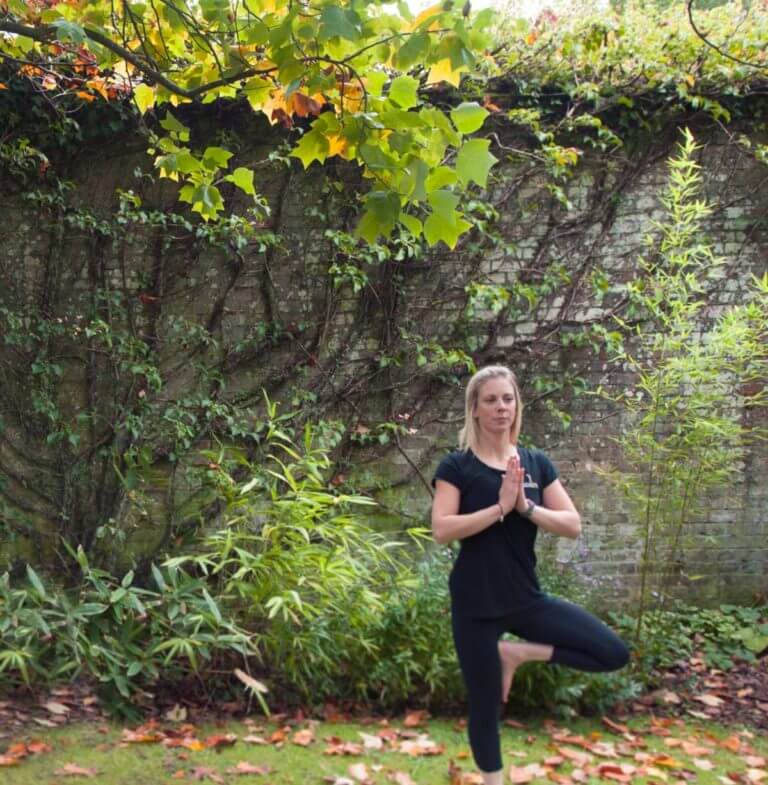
x: 9, y: 760
x: 57, y: 708
x: 254, y: 740
x: 667, y: 696
x: 338, y: 781
x: 403, y: 778
x: 206, y: 773
x: 415, y: 717
x: 614, y: 726
x: 520, y: 775
x: 338, y: 747
x: 703, y: 764
x: 371, y: 742
x: 420, y: 746
x: 359, y: 771
x: 732, y: 743
x: 578, y: 757
x: 303, y: 737
x: 756, y: 775
x: 695, y: 750
x: 709, y: 700
x: 73, y: 770
x: 219, y: 741
x: 243, y: 767
x: 754, y: 761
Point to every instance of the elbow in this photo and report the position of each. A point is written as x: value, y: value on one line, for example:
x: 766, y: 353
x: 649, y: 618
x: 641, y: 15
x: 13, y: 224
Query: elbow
x: 576, y: 528
x: 439, y: 534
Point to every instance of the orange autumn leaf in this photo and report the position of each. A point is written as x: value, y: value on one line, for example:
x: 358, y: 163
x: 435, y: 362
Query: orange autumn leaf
x: 221, y: 740
x: 303, y: 737
x: 306, y: 105
x: 415, y: 717
x: 337, y: 145
x: 243, y: 767
x: 73, y: 770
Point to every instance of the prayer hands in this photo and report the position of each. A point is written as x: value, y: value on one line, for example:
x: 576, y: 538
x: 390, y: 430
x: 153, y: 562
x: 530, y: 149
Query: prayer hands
x: 512, y: 493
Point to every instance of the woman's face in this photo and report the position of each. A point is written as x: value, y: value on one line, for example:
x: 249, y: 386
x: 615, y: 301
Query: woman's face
x: 496, y: 405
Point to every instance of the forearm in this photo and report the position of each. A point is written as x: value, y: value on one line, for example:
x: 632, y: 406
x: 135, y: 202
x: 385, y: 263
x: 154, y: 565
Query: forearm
x: 563, y: 523
x: 446, y: 528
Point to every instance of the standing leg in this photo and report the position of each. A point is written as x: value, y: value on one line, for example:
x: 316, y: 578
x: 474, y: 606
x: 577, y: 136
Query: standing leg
x: 476, y: 646
x: 580, y: 640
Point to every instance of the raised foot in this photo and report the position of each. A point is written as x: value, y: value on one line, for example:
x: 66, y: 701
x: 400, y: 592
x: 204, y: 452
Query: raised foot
x: 511, y: 658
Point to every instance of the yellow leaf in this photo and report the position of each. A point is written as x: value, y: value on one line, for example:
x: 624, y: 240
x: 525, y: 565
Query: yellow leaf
x: 85, y: 96
x: 144, y: 95
x: 690, y: 79
x: 443, y: 71
x: 98, y: 86
x: 337, y: 145
x: 433, y: 10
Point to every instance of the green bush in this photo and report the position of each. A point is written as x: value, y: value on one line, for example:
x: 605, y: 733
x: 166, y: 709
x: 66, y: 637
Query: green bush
x: 125, y: 637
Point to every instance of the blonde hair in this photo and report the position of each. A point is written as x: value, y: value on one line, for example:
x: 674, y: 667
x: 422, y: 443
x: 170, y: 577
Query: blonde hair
x: 469, y: 436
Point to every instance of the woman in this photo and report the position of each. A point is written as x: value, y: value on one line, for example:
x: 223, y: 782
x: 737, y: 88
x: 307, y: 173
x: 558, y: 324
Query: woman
x: 494, y: 496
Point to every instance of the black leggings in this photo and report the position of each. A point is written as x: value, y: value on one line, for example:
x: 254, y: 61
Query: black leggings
x: 579, y: 639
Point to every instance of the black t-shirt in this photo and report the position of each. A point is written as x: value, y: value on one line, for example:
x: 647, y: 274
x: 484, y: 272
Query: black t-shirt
x: 495, y: 571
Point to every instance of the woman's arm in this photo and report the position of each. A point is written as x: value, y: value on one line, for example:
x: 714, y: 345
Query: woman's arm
x: 558, y: 513
x: 448, y: 525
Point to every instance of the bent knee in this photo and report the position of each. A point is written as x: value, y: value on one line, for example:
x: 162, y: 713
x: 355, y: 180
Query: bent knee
x: 617, y: 656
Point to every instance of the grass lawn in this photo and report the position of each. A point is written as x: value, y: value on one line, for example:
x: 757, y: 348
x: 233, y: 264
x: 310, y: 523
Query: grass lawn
x: 675, y: 751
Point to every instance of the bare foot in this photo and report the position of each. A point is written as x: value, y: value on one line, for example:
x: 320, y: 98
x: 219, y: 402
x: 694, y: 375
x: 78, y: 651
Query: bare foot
x: 511, y: 657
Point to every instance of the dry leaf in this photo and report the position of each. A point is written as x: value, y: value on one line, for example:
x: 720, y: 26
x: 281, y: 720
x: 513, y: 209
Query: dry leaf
x: 415, y: 717
x: 73, y: 770
x: 243, y: 767
x: 695, y: 750
x: 219, y: 741
x: 756, y: 775
x: 403, y: 778
x: 303, y: 737
x: 371, y: 742
x: 359, y: 771
x: 709, y: 700
x: 250, y: 682
x: 614, y: 726
x: 754, y: 761
x: 422, y: 745
x: 255, y: 740
x: 57, y: 708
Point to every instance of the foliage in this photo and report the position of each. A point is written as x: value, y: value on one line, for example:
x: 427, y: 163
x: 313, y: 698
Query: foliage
x: 721, y: 635
x: 124, y: 636
x: 687, y: 434
x: 351, y: 78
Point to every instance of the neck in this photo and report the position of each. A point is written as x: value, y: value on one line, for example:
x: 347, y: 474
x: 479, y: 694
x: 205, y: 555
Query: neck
x: 496, y: 445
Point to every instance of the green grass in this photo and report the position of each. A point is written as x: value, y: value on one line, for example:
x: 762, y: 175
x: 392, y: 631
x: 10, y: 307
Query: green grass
x: 101, y: 748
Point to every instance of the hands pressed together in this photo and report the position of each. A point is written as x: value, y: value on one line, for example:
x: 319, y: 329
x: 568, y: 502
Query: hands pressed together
x: 512, y: 493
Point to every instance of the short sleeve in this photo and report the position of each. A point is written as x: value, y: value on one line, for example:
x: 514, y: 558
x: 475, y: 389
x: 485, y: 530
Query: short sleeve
x: 449, y: 470
x: 548, y: 470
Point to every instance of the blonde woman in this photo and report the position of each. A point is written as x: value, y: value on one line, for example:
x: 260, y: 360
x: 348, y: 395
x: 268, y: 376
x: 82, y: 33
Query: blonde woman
x: 493, y: 496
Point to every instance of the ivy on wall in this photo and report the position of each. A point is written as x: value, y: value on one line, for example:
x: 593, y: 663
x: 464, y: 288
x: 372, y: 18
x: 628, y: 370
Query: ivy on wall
x: 114, y: 386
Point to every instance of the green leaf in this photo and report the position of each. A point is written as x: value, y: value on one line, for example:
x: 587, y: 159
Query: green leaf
x: 468, y: 117
x: 441, y: 177
x: 403, y: 92
x: 170, y: 123
x: 144, y: 96
x: 474, y: 161
x: 338, y: 22
x: 375, y: 81
x: 411, y: 223
x: 313, y: 146
x: 69, y: 31
x: 382, y: 210
x: 256, y: 91
x: 35, y: 581
x: 216, y: 157
x: 243, y: 179
x: 412, y: 51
